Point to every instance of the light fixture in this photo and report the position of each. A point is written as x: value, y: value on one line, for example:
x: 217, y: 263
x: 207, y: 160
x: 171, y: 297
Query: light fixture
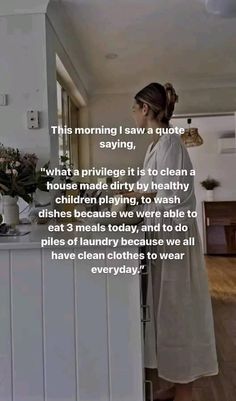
x: 191, y: 136
x: 222, y: 8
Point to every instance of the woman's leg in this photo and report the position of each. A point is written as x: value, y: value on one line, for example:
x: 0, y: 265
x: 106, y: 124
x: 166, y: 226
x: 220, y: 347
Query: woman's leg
x: 183, y: 392
x: 178, y: 391
x: 164, y: 394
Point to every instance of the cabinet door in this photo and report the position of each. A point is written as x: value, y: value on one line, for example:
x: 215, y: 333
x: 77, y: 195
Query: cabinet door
x: 68, y: 333
x: 125, y: 333
x: 220, y: 227
x: 109, y: 335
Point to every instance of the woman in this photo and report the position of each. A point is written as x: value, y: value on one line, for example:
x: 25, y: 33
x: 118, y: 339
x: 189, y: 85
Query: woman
x: 179, y: 340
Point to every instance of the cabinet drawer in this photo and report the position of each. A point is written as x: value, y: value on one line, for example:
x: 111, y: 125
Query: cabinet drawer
x: 214, y: 221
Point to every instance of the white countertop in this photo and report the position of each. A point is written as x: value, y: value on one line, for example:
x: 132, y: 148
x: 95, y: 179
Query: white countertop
x: 37, y: 232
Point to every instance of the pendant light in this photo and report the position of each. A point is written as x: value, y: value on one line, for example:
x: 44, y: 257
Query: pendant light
x: 191, y: 136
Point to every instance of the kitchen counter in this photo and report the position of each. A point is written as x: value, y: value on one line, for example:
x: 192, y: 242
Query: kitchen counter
x: 28, y: 241
x: 39, y: 231
x: 67, y: 333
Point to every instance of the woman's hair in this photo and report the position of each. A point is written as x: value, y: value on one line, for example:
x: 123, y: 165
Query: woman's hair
x: 159, y: 98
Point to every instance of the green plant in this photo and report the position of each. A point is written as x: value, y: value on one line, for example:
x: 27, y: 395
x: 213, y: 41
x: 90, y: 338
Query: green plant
x: 210, y: 183
x: 18, y: 174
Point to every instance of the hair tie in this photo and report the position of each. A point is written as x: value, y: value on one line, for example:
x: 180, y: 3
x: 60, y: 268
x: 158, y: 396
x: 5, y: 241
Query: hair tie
x: 171, y: 99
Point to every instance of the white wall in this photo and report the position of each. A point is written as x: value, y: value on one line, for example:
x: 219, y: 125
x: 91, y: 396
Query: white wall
x: 28, y: 45
x: 23, y: 78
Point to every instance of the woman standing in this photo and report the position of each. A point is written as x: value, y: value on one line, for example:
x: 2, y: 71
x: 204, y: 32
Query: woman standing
x: 179, y: 340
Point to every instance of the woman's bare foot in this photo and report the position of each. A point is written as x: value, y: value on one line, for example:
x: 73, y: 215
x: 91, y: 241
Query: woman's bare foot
x: 184, y: 392
x: 164, y: 394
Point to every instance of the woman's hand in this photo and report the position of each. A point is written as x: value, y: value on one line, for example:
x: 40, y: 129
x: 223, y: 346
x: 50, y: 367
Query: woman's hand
x: 120, y: 192
x: 125, y: 193
x: 140, y: 195
x: 137, y: 195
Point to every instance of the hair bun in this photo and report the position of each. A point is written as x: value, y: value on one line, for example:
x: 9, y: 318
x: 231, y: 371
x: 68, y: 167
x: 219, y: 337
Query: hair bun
x: 172, y: 98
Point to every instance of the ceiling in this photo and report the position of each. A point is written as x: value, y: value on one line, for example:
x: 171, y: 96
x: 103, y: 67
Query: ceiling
x: 155, y: 40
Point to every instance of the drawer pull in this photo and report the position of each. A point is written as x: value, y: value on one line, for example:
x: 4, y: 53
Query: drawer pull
x: 143, y: 270
x: 147, y: 308
x: 150, y: 387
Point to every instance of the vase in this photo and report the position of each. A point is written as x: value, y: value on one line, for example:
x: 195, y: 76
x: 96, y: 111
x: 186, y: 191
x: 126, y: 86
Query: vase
x: 10, y: 210
x: 209, y: 195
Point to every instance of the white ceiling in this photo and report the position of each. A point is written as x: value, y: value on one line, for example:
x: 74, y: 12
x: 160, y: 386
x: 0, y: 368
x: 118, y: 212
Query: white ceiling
x: 156, y: 40
x: 12, y: 7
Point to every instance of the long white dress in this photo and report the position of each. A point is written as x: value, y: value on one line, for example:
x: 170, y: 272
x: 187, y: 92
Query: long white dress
x: 179, y: 339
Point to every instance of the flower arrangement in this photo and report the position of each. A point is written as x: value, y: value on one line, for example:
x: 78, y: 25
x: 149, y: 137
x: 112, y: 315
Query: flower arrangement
x: 66, y: 166
x: 210, y: 183
x: 18, y: 174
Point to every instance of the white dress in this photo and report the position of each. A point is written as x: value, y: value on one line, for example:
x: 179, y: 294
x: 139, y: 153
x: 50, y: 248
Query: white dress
x: 179, y: 339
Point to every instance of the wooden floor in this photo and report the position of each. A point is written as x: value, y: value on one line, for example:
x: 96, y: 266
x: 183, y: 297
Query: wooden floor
x: 223, y: 386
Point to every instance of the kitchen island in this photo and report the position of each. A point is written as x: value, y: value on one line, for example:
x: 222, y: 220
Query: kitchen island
x: 66, y: 333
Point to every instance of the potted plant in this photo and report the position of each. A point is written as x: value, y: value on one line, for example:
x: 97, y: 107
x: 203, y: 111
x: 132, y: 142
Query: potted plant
x: 19, y: 178
x: 209, y: 184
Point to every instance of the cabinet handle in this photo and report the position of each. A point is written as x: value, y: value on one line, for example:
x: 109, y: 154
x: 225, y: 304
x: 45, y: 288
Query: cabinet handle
x: 144, y: 270
x: 151, y: 388
x: 146, y: 307
x: 208, y: 221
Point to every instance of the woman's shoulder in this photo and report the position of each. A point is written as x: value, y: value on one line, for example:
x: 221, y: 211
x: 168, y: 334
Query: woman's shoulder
x: 167, y: 140
x: 172, y: 144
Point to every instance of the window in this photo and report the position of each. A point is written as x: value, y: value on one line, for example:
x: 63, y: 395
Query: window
x: 68, y: 114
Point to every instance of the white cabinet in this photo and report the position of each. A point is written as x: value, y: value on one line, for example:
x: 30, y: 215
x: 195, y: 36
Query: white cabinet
x: 68, y: 334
